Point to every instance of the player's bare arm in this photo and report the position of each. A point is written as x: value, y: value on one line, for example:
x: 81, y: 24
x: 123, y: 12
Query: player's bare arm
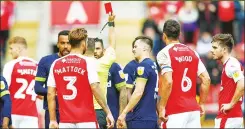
x: 112, y: 34
x: 52, y: 107
x: 101, y: 100
x: 122, y: 98
x: 164, y: 93
x: 205, y: 84
x: 135, y: 98
x: 237, y: 95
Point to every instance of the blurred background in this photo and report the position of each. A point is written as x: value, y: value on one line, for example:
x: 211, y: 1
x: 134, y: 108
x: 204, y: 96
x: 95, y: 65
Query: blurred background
x: 40, y: 21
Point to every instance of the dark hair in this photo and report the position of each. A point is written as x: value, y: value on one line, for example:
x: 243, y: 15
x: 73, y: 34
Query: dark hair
x: 225, y: 40
x: 172, y: 29
x: 63, y: 32
x: 99, y: 40
x: 144, y: 39
x: 91, y: 46
x: 76, y: 36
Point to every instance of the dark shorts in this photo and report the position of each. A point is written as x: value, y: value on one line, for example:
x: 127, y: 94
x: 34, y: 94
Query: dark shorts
x: 101, y: 118
x: 47, y: 119
x: 141, y: 124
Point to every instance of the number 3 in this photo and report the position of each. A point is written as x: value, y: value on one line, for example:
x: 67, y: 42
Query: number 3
x: 70, y: 86
x: 187, y: 80
x: 20, y: 95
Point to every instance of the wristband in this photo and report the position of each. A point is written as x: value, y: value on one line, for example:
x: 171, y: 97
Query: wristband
x: 111, y: 24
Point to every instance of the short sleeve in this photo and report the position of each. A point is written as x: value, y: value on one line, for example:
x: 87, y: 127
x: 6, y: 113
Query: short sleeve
x: 129, y: 76
x: 42, y: 72
x: 4, y: 88
x: 92, y: 73
x: 51, y: 80
x: 7, y: 71
x: 143, y: 71
x: 233, y: 70
x: 164, y: 61
x: 118, y: 76
x: 201, y: 67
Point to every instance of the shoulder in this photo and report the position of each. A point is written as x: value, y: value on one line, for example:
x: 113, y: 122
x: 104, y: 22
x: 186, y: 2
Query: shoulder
x: 131, y: 63
x: 232, y: 66
x: 146, y: 62
x: 11, y: 63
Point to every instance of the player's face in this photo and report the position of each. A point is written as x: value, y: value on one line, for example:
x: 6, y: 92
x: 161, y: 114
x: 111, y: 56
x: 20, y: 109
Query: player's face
x: 217, y: 51
x: 63, y: 45
x: 14, y: 50
x: 137, y: 49
x: 98, y: 50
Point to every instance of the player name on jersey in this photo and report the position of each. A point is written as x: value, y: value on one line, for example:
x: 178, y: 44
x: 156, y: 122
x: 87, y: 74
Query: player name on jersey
x: 27, y: 71
x: 70, y: 69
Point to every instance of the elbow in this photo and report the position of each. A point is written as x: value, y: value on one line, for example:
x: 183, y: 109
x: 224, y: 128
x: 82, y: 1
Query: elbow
x: 139, y: 94
x: 207, y: 80
x: 169, y: 84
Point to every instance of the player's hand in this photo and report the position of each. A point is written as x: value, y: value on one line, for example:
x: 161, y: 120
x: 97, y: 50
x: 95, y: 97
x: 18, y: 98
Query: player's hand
x: 225, y: 107
x: 111, y: 17
x: 110, y: 121
x: 121, y: 123
x: 162, y: 116
x: 53, y: 125
x: 4, y: 126
x: 202, y: 109
x: 11, y: 127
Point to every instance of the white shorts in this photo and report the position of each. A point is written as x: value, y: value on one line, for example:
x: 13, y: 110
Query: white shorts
x: 21, y: 121
x: 79, y: 125
x: 236, y: 122
x: 183, y: 120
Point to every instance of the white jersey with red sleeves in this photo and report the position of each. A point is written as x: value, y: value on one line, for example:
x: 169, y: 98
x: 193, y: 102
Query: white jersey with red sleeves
x: 20, y: 75
x: 72, y: 76
x: 231, y: 74
x: 185, y: 65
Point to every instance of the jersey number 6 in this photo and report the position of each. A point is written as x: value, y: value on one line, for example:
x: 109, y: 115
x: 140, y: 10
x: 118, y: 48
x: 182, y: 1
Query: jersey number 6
x: 188, y: 81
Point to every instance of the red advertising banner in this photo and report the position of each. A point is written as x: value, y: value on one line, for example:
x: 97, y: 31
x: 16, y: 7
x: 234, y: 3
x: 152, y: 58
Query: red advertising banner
x: 75, y: 12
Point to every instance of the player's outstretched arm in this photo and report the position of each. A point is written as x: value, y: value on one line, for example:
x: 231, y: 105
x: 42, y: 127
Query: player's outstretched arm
x: 112, y: 34
x: 205, y: 84
x: 102, y: 101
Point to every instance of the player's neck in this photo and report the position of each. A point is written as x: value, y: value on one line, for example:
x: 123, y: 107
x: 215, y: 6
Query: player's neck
x: 76, y: 51
x: 225, y: 58
x: 172, y: 41
x: 144, y: 56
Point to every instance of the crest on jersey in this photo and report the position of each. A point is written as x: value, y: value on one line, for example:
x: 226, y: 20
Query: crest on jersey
x: 236, y: 74
x: 2, y: 85
x: 140, y: 70
x: 121, y: 74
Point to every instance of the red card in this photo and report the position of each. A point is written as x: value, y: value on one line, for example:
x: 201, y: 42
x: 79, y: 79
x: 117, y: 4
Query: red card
x: 108, y: 7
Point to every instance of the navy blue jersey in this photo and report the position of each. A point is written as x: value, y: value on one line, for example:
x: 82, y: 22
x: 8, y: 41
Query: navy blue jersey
x: 5, y: 101
x: 146, y: 107
x: 42, y: 76
x: 130, y: 73
x: 116, y: 80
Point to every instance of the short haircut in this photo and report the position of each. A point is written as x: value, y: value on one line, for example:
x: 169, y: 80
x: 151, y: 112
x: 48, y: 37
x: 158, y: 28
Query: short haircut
x: 91, y: 46
x: 76, y: 36
x: 18, y: 40
x: 99, y: 40
x: 144, y: 39
x: 63, y: 32
x: 172, y: 29
x: 225, y: 40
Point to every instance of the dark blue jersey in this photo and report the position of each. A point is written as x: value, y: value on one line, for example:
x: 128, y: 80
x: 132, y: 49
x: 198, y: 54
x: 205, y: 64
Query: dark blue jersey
x: 130, y: 73
x: 42, y: 76
x: 116, y: 80
x: 146, y: 107
x: 5, y: 101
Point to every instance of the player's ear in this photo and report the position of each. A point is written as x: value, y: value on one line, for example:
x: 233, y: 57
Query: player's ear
x: 164, y: 37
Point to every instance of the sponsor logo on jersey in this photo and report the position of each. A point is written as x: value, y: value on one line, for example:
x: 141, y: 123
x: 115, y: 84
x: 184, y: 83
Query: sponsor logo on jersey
x: 140, y: 70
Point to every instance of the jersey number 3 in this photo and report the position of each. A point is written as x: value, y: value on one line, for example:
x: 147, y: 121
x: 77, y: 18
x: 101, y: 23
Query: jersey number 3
x: 70, y: 86
x: 29, y: 89
x: 186, y: 82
